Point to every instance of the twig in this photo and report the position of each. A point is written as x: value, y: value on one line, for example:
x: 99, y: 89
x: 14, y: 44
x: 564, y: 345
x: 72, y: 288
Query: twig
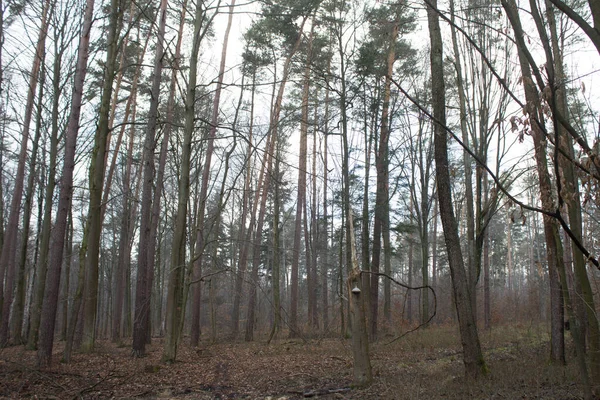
x: 409, y: 288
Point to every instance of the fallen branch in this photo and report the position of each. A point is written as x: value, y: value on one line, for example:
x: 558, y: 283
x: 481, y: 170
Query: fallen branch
x: 319, y: 392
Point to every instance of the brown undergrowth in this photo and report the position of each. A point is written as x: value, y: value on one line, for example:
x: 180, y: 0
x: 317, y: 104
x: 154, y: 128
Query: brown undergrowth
x: 423, y: 365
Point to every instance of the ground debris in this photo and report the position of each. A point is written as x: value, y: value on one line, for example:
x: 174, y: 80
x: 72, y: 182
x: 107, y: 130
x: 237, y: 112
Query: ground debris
x: 319, y: 392
x: 426, y: 364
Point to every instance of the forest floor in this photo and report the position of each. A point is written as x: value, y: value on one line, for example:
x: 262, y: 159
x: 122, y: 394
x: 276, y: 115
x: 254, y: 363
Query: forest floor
x: 426, y: 364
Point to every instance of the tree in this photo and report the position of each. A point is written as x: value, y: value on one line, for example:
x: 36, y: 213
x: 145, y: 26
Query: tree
x: 55, y: 259
x: 9, y: 245
x: 200, y: 241
x: 145, y: 258
x: 301, y: 196
x: 553, y: 242
x: 475, y: 365
x: 96, y: 176
x: 175, y: 294
x: 292, y: 33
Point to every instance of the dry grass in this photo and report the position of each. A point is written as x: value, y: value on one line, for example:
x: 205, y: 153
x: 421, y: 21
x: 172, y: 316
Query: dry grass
x: 424, y: 365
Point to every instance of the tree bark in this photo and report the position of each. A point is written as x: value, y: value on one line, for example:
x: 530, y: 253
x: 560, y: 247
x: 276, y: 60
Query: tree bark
x: 570, y: 187
x: 475, y: 366
x: 175, y: 295
x: 196, y: 300
x: 273, y: 132
x: 96, y: 174
x: 9, y: 246
x: 301, y: 201
x: 143, y: 289
x: 55, y: 259
x: 19, y: 297
x: 382, y: 206
x: 244, y: 233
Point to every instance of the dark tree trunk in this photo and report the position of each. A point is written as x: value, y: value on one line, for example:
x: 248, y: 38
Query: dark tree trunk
x: 475, y: 365
x: 96, y: 174
x: 143, y: 290
x: 9, y: 246
x: 55, y: 259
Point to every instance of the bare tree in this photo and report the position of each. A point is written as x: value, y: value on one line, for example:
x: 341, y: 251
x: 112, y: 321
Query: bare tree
x: 55, y: 259
x: 472, y: 356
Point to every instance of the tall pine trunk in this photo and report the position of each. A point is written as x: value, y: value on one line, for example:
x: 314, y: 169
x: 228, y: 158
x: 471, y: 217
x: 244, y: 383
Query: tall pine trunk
x: 145, y: 258
x: 301, y: 203
x: 55, y: 259
x: 175, y: 294
x: 96, y: 174
x: 273, y: 132
x: 9, y: 246
x: 200, y: 245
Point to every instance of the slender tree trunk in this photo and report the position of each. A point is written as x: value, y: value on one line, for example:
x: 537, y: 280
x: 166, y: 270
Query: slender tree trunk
x: 19, y: 297
x: 487, y: 302
x: 196, y: 300
x: 74, y: 325
x: 244, y: 233
x: 276, y: 327
x: 365, y: 225
x: 97, y: 169
x: 175, y: 296
x: 325, y: 265
x: 114, y: 102
x: 571, y: 193
x: 44, y: 244
x: 382, y: 213
x: 475, y: 365
x: 301, y: 201
x: 9, y: 246
x: 410, y: 262
x: 143, y: 289
x: 314, y: 227
x: 554, y: 247
x: 124, y: 257
x: 273, y: 131
x: 434, y: 243
x: 55, y: 259
x: 156, y: 202
x: 67, y: 268
x: 470, y: 217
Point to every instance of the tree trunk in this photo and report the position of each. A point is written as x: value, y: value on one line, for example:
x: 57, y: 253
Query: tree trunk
x: 143, y: 289
x: 365, y: 225
x: 487, y: 302
x: 553, y: 242
x: 325, y: 265
x: 475, y: 365
x: 244, y: 233
x: 124, y: 257
x: 196, y: 300
x: 44, y: 244
x: 175, y: 295
x: 301, y: 200
x: 382, y: 206
x: 275, y: 279
x: 96, y: 174
x: 470, y: 217
x: 9, y: 246
x: 19, y: 297
x: 571, y: 193
x: 55, y: 259
x: 360, y: 340
x: 273, y: 131
x: 314, y: 226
